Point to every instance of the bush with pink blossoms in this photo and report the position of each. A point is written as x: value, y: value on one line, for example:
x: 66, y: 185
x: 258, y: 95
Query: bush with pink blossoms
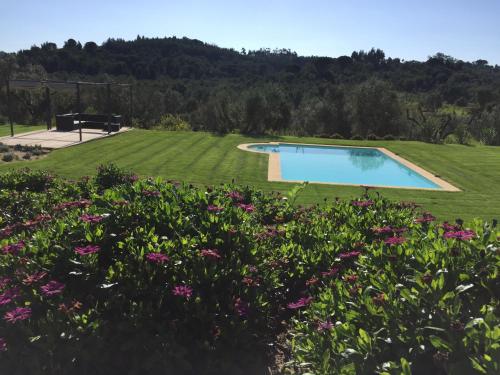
x: 147, y: 276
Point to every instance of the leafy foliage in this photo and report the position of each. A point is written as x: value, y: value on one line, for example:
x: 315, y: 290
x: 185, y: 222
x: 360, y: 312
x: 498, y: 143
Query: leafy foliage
x: 153, y: 276
x: 222, y: 90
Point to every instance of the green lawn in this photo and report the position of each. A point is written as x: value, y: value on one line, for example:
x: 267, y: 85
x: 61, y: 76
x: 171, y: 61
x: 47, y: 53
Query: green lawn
x: 203, y: 158
x: 18, y: 129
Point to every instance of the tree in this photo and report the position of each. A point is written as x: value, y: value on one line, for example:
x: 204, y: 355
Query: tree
x: 377, y: 109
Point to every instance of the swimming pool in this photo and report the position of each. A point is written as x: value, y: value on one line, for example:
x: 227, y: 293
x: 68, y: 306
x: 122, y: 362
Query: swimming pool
x: 345, y: 166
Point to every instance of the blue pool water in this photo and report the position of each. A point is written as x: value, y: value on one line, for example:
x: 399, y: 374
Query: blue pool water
x: 343, y: 165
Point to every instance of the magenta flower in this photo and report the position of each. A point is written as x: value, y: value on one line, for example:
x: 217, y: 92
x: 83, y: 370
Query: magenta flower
x: 325, y: 326
x: 389, y: 230
x: 151, y: 193
x: 121, y: 202
x: 450, y: 227
x: 8, y: 296
x: 73, y: 204
x: 331, y: 272
x: 3, y: 344
x: 13, y: 248
x: 209, y: 253
x: 87, y: 250
x: 31, y: 279
x: 235, y: 196
x: 349, y: 255
x: 351, y: 278
x: 7, y: 231
x: 247, y: 207
x: 212, y: 208
x: 182, y: 291
x: 241, y: 307
x: 91, y: 218
x: 157, y: 258
x: 4, y: 281
x: 133, y: 178
x: 426, y: 218
x: 461, y: 235
x: 395, y: 240
x: 366, y: 203
x: 52, y: 288
x: 302, y: 302
x: 18, y: 314
x: 313, y: 280
x: 382, y: 230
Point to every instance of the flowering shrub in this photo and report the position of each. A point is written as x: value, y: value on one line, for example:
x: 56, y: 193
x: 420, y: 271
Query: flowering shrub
x: 148, y: 276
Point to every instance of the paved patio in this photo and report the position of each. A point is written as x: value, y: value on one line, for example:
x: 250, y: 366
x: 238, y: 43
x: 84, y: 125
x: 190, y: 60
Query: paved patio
x: 53, y: 139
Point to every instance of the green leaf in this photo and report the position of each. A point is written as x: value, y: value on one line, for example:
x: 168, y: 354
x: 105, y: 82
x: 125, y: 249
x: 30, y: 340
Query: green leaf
x: 439, y: 343
x: 405, y: 366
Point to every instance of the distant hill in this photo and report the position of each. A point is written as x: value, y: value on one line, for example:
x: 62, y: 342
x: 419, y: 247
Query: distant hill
x: 187, y: 77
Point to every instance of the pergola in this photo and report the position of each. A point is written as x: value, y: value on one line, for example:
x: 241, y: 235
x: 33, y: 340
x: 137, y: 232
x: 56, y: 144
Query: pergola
x: 61, y: 85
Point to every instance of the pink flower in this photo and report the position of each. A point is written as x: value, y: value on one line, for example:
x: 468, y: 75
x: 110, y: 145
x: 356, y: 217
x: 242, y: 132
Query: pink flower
x: 151, y: 193
x: 325, y: 326
x: 8, y: 296
x: 461, y: 235
x: 19, y: 313
x: 331, y: 272
x: 4, y: 281
x: 426, y: 218
x: 52, y: 288
x: 302, y: 302
x: 86, y: 250
x: 366, y: 203
x: 212, y: 208
x: 183, y: 291
x: 157, y: 258
x: 395, y: 240
x: 247, y: 207
x: 31, y: 279
x: 313, y: 280
x: 91, y: 218
x: 241, y: 307
x: 73, y: 204
x: 235, y: 196
x: 3, y: 344
x: 351, y: 278
x: 121, y: 202
x: 349, y: 255
x: 13, y: 248
x: 450, y: 227
x: 382, y: 230
x: 250, y: 282
x: 209, y: 253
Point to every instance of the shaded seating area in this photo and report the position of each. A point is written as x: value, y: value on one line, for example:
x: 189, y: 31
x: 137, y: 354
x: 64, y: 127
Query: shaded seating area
x: 73, y: 121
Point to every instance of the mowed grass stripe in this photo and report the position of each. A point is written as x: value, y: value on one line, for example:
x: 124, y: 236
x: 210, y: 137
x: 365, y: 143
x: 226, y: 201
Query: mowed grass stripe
x: 205, y: 159
x: 169, y: 152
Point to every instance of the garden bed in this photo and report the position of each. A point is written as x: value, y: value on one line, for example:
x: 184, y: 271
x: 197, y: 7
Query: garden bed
x: 20, y: 152
x: 149, y: 276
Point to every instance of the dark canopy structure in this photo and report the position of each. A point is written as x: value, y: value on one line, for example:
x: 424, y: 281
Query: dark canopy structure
x: 28, y: 84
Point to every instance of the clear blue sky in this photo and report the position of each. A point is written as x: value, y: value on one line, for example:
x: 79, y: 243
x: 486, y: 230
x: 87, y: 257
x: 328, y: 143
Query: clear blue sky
x: 410, y: 29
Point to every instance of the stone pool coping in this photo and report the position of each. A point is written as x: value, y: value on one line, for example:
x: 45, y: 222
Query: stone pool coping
x: 274, y: 167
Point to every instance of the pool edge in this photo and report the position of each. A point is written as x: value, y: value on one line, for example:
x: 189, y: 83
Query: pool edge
x: 274, y: 168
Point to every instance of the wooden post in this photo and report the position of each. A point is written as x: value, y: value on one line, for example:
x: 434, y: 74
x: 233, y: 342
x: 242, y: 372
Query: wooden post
x: 49, y: 108
x: 131, y: 104
x: 78, y: 109
x: 9, y: 113
x: 108, y: 90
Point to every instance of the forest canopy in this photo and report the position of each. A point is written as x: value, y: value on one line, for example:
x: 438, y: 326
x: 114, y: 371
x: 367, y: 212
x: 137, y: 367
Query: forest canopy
x: 182, y: 83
